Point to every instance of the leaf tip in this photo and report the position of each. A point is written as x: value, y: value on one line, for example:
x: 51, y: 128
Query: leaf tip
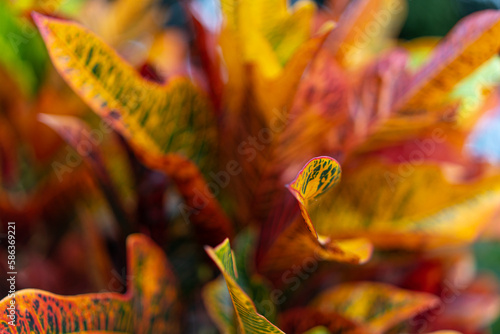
x: 38, y: 18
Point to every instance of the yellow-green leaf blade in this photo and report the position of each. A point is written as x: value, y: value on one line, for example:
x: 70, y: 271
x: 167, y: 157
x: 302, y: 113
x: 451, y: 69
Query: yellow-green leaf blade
x: 249, y: 320
x: 470, y: 44
x: 389, y: 204
x: 175, y: 118
x: 148, y: 305
x: 376, y: 305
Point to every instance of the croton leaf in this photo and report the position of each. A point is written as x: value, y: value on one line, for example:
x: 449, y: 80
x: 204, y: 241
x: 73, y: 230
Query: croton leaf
x: 248, y: 320
x: 277, y: 93
x: 376, y: 306
x: 300, y: 320
x: 316, y: 178
x: 469, y: 45
x: 398, y: 214
x: 276, y: 40
x: 159, y: 120
x: 147, y: 307
x: 364, y: 27
x: 293, y: 239
x: 219, y: 306
x: 171, y: 127
x: 271, y: 32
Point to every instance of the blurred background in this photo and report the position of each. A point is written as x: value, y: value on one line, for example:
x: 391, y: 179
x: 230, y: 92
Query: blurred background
x: 51, y: 251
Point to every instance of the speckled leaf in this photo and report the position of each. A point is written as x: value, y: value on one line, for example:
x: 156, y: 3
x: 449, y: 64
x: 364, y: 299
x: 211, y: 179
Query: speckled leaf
x: 376, y: 306
x: 317, y: 177
x: 160, y: 120
x: 170, y: 127
x: 292, y: 239
x: 389, y: 204
x: 147, y: 307
x: 470, y: 44
x: 249, y: 321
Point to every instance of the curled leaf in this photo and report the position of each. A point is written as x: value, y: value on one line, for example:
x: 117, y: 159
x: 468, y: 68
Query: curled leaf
x: 389, y: 204
x: 469, y: 45
x: 290, y: 240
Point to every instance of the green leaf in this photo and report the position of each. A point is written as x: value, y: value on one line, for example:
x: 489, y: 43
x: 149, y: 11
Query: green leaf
x: 249, y: 321
x: 23, y: 54
x: 389, y: 204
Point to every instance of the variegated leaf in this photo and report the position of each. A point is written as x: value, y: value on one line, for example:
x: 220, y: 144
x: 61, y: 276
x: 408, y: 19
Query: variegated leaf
x: 288, y: 239
x: 147, y: 307
x: 175, y: 119
x: 389, y: 203
x: 376, y: 306
x: 469, y: 45
x: 248, y: 320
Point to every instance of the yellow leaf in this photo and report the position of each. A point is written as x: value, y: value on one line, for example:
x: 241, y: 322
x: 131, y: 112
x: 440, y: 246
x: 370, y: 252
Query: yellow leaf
x: 470, y: 44
x: 219, y: 305
x: 268, y: 32
x: 249, y: 321
x: 170, y: 127
x: 376, y: 306
x: 389, y: 204
x: 364, y: 28
x: 277, y: 93
x: 171, y: 119
x: 276, y: 41
x: 317, y: 177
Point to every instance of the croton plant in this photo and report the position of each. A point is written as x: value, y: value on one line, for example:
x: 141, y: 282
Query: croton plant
x: 274, y: 168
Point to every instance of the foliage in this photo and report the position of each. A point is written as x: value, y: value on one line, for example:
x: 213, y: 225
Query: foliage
x: 341, y: 165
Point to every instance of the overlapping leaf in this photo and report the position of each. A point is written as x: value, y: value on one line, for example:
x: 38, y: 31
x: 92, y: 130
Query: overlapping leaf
x: 308, y: 319
x: 167, y: 125
x: 389, y: 204
x: 266, y: 47
x: 147, y: 307
x: 469, y: 45
x: 159, y: 120
x: 376, y: 306
x: 248, y: 320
